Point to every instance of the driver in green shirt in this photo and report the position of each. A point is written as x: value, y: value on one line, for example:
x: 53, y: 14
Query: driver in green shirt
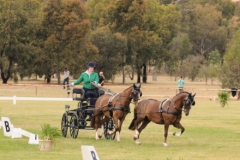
x: 87, y: 77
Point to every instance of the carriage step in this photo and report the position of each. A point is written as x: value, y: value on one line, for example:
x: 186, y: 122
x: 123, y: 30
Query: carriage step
x: 89, y: 128
x: 88, y: 119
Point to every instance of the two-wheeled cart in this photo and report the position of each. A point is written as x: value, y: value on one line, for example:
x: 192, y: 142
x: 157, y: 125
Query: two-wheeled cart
x: 79, y: 117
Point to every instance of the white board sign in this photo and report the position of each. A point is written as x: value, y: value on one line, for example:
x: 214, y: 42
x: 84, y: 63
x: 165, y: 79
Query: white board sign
x: 7, y: 126
x: 89, y: 153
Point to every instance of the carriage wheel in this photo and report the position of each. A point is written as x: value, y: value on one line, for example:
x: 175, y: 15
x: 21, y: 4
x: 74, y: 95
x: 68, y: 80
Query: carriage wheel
x: 64, y: 125
x: 74, y: 126
x: 109, y: 126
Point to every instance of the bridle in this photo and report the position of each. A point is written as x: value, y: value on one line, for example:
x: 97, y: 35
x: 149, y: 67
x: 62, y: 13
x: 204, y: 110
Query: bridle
x: 136, y: 94
x: 188, y: 102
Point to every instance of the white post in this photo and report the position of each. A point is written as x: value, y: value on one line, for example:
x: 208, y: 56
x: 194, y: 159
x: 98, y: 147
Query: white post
x: 14, y: 100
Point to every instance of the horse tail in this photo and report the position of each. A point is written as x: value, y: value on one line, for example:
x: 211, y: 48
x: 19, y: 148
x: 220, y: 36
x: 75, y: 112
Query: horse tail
x: 93, y: 122
x: 95, y: 114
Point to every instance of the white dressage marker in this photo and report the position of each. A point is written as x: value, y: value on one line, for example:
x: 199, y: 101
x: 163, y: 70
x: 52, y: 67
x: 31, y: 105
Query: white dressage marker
x: 33, y: 139
x: 25, y: 133
x: 15, y: 133
x: 89, y: 153
x: 12, y: 132
x: 7, y: 126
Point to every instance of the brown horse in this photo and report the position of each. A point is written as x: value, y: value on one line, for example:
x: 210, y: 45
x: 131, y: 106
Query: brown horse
x: 114, y: 106
x: 167, y: 112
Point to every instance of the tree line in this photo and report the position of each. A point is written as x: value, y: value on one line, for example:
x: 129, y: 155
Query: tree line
x: 192, y: 38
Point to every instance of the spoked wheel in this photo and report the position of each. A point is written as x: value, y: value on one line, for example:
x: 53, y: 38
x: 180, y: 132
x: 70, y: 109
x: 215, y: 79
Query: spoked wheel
x: 109, y: 126
x: 74, y: 126
x: 64, y: 125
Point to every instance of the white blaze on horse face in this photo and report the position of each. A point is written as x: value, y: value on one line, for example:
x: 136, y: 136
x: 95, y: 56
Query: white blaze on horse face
x: 139, y: 97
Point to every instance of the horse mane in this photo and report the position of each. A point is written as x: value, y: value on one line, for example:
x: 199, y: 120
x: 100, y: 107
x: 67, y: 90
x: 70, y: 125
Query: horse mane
x: 181, y: 92
x: 126, y: 89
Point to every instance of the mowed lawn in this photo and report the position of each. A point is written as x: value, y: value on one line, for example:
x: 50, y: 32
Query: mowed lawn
x: 210, y: 133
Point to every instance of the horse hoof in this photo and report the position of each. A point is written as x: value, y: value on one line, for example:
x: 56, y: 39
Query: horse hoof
x: 138, y: 143
x: 165, y: 144
x: 99, y: 137
x: 134, y: 138
x: 177, y: 134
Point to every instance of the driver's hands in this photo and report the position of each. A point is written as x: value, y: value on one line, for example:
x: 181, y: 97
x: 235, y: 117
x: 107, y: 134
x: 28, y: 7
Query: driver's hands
x: 94, y: 83
x: 71, y: 84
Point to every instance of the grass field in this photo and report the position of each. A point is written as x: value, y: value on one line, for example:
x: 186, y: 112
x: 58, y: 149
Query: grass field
x: 211, y: 132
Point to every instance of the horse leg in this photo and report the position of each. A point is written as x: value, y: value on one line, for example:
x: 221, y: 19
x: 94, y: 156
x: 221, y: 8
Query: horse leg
x: 102, y: 126
x: 119, y: 128
x: 166, y: 126
x: 179, y: 126
x: 139, y: 130
x: 131, y: 126
x: 101, y: 132
x: 115, y: 121
x: 96, y: 126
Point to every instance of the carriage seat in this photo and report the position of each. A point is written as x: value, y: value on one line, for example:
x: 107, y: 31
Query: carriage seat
x: 101, y: 92
x: 78, y: 94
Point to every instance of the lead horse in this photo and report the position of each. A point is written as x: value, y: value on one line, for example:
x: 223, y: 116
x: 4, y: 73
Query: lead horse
x: 114, y: 106
x: 167, y: 112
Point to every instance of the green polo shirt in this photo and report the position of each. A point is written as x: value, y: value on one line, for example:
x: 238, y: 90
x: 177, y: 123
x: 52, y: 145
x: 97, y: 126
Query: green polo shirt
x: 86, y: 79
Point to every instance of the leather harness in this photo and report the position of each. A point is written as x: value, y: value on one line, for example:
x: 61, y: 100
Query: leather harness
x: 161, y: 110
x: 112, y: 108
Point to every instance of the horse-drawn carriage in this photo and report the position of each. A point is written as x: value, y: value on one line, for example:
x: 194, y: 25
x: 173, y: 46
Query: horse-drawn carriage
x: 78, y: 118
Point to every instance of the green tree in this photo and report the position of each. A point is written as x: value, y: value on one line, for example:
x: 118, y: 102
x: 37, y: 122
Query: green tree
x: 164, y: 22
x: 64, y: 38
x: 207, y: 33
x: 180, y: 49
x: 111, y: 48
x: 195, y: 63
x: 230, y: 71
x: 121, y: 17
x: 19, y: 21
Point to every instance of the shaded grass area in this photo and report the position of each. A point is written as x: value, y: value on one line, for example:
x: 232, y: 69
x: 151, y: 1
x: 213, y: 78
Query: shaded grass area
x: 211, y: 133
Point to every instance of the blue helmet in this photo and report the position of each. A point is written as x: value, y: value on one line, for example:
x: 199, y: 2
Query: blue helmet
x: 91, y: 64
